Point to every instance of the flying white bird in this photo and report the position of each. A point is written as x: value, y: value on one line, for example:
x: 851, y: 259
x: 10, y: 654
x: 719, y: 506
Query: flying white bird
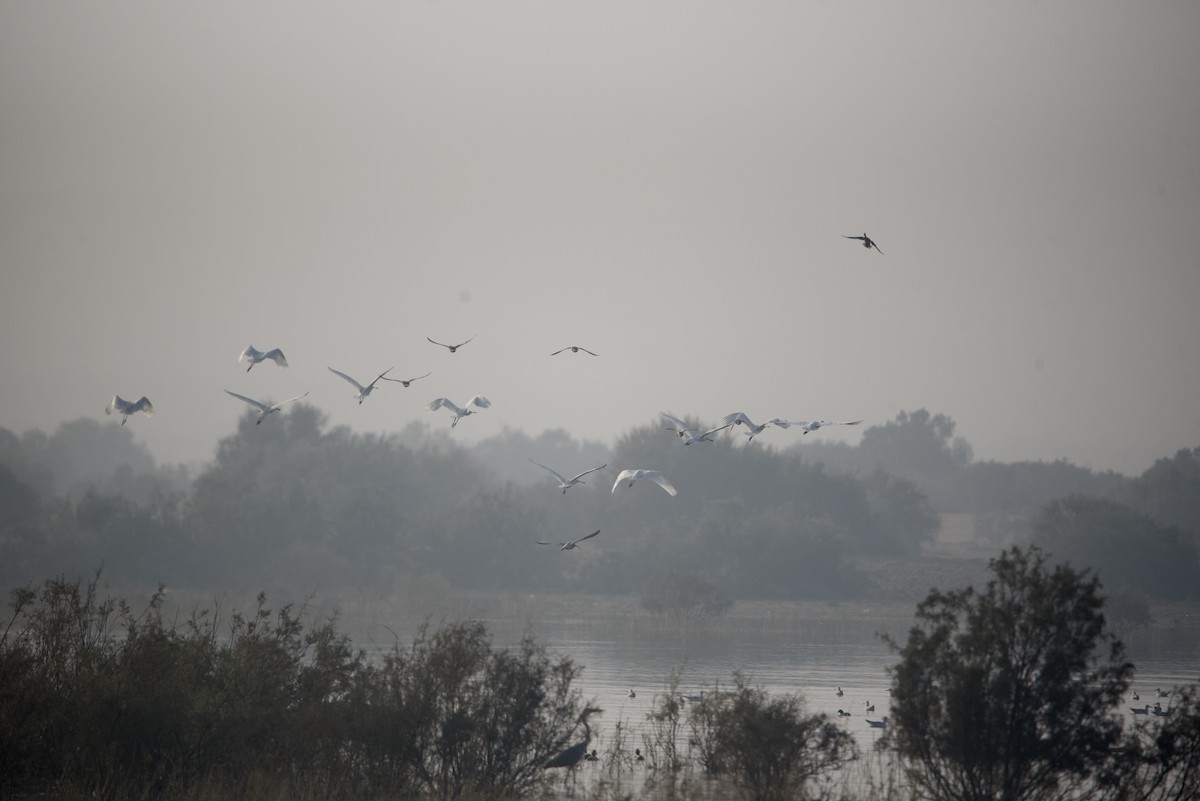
x: 573, y: 544
x: 459, y: 412
x: 738, y: 418
x: 807, y: 426
x: 573, y: 349
x: 689, y: 434
x: 254, y: 356
x: 363, y: 392
x: 566, y: 483
x: 126, y: 408
x: 406, y: 381
x: 867, y: 241
x: 635, y: 475
x: 263, y: 408
x: 451, y: 348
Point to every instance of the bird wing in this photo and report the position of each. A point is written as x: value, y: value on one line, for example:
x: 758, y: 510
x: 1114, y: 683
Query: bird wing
x: 289, y: 400
x: 144, y: 405
x: 405, y: 380
x: 876, y: 247
x: 680, y: 425
x: 715, y: 430
x: 661, y: 480
x: 381, y: 375
x: 624, y: 474
x: 780, y: 422
x: 553, y: 472
x: 276, y: 355
x: 560, y: 350
x: 249, y: 353
x: 585, y: 350
x: 585, y: 472
x: 434, y: 341
x: 847, y: 422
x: 589, y: 536
x: 560, y: 544
x: 738, y: 417
x: 438, y: 403
x: 116, y: 403
x: 480, y: 401
x: 256, y: 404
x: 339, y: 373
x: 862, y: 238
x: 460, y: 344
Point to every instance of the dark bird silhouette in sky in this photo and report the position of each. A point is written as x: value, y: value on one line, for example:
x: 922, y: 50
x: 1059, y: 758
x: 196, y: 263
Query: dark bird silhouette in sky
x: 867, y: 241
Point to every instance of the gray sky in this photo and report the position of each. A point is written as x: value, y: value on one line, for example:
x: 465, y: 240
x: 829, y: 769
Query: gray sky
x: 665, y: 183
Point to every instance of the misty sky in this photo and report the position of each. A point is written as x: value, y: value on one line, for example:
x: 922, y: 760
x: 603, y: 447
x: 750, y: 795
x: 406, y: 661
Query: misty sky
x: 665, y: 183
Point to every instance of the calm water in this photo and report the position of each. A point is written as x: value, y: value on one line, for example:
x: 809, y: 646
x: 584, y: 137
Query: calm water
x: 781, y: 650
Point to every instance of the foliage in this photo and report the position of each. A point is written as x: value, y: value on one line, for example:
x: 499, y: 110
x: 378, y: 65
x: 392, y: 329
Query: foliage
x: 1010, y: 693
x: 1166, y: 754
x: 113, y: 703
x: 1169, y: 491
x: 1126, y: 549
x: 768, y: 744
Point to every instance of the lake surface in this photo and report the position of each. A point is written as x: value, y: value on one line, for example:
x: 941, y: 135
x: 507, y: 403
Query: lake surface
x: 805, y: 649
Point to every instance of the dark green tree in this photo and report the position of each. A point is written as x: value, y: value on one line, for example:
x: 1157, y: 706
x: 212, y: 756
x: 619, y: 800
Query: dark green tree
x: 1010, y: 693
x: 1126, y: 549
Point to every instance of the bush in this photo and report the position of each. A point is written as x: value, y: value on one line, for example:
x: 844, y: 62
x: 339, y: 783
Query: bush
x: 98, y: 700
x: 768, y: 745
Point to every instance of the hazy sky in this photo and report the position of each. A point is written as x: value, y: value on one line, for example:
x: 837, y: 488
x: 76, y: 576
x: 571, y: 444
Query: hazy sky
x: 665, y: 183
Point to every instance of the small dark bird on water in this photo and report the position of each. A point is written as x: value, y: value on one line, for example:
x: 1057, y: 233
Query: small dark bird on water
x: 867, y: 241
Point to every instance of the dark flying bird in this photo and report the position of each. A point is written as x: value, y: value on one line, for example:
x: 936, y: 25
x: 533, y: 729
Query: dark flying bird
x: 867, y: 241
x: 568, y: 546
x: 573, y: 349
x: 451, y: 348
x: 405, y: 381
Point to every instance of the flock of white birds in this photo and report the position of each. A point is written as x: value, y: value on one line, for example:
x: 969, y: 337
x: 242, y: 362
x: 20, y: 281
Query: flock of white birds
x: 251, y: 356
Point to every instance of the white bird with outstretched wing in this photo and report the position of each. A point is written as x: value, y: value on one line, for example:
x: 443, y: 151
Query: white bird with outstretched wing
x: 265, y: 408
x: 634, y: 475
x: 565, y: 483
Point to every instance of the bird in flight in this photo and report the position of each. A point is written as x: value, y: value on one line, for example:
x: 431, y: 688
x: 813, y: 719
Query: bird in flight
x: 739, y: 418
x: 637, y: 474
x: 254, y: 356
x: 807, y: 426
x: 459, y: 412
x: 573, y: 349
x: 263, y: 408
x: 867, y: 241
x: 451, y: 348
x: 689, y: 434
x: 573, y: 544
x: 126, y: 408
x: 566, y: 483
x: 406, y: 381
x: 363, y: 392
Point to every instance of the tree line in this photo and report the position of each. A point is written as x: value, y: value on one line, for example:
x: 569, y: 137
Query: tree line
x: 298, y: 504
